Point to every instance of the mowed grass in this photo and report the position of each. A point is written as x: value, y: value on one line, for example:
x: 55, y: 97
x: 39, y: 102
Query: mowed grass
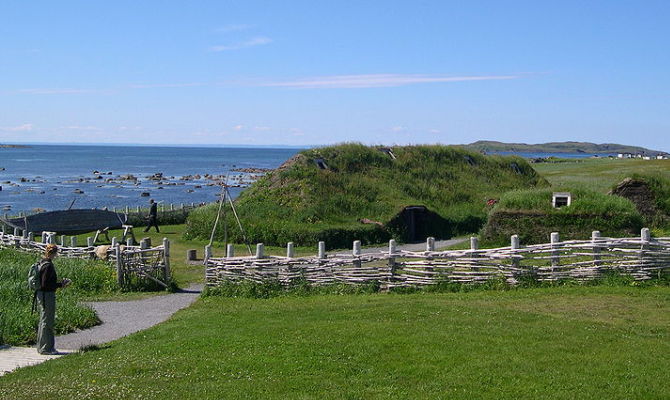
x: 598, y: 174
x: 560, y: 343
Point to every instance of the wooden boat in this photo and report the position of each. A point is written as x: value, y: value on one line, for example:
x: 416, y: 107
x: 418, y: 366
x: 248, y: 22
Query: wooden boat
x: 68, y: 221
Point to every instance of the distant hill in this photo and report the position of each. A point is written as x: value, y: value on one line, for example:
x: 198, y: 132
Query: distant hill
x: 12, y: 146
x: 560, y: 147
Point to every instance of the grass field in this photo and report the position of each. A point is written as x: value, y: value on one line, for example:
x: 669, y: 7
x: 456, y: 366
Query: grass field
x: 598, y: 174
x: 559, y: 343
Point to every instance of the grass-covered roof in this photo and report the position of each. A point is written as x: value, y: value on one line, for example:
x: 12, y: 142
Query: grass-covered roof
x: 323, y: 192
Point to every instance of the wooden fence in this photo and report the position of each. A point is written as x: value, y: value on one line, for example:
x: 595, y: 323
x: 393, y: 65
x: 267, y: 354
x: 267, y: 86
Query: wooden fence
x: 642, y: 258
x: 144, y: 261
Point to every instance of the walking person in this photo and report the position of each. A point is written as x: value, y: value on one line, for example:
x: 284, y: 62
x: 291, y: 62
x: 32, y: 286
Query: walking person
x: 46, y: 298
x: 153, y: 216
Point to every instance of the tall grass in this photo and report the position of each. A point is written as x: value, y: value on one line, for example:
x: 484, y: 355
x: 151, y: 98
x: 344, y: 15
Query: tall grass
x: 18, y: 323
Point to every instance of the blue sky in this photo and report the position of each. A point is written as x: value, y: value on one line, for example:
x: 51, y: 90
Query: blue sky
x: 303, y: 73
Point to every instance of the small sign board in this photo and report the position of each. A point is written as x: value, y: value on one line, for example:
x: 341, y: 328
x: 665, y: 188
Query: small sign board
x: 561, y: 199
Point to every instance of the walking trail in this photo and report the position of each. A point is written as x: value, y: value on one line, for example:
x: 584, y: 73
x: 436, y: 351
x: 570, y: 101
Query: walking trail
x: 119, y: 319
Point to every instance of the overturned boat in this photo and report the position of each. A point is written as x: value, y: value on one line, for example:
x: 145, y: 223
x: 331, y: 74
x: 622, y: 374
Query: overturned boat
x: 70, y: 222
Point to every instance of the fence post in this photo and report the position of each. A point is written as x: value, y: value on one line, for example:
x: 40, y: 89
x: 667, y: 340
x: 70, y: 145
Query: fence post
x: 322, y: 250
x: 430, y: 244
x: 171, y: 207
x: 16, y: 232
x: 143, y: 246
x: 595, y: 237
x: 129, y: 242
x: 290, y: 252
x: 44, y: 235
x: 260, y: 250
x: 555, y: 239
x: 73, y: 241
x: 89, y: 241
x: 25, y: 234
x: 645, y: 238
x: 119, y: 266
x: 392, y: 252
x: 137, y: 209
x: 357, y: 248
x: 127, y: 210
x: 230, y: 250
x: 115, y: 241
x: 474, y: 246
x: 514, y: 244
x: 31, y: 237
x: 208, y: 253
x: 166, y: 260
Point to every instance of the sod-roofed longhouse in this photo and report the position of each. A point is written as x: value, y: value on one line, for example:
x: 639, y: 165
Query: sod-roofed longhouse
x: 531, y: 215
x: 354, y: 192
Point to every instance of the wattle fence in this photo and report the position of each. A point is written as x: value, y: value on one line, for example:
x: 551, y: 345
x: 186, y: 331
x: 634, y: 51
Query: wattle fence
x: 143, y: 261
x: 642, y: 258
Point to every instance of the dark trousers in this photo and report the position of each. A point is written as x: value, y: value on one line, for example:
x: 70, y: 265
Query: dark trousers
x: 153, y: 221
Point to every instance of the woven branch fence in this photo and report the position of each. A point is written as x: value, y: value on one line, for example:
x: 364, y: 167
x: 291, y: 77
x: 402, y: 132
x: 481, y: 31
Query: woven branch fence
x: 642, y: 258
x: 144, y: 261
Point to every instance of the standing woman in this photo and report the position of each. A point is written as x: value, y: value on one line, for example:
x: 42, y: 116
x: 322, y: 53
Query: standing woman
x: 46, y: 298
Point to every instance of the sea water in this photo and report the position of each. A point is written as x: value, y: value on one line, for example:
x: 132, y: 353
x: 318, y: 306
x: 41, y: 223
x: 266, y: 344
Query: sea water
x: 55, y: 176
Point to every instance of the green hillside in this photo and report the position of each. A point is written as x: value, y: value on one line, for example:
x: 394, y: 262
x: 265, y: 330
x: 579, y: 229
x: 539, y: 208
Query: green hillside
x: 560, y: 147
x: 304, y: 203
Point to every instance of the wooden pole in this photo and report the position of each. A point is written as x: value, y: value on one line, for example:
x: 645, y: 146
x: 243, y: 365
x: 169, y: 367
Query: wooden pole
x: 357, y: 248
x: 166, y: 261
x: 322, y: 250
x: 119, y: 266
x: 430, y: 244
x: 555, y: 240
x: 260, y: 250
x: 595, y: 238
x: 290, y: 251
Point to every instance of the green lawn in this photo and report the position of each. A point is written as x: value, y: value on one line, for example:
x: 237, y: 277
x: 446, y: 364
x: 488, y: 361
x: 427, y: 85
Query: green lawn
x: 560, y: 343
x: 598, y: 174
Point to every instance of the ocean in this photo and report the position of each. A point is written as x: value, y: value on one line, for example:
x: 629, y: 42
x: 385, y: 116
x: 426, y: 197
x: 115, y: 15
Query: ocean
x: 51, y: 177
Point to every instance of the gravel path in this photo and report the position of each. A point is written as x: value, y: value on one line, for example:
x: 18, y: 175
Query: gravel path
x: 121, y: 318
x: 439, y: 244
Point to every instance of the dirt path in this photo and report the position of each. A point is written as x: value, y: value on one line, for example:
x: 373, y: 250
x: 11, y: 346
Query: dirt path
x: 439, y: 244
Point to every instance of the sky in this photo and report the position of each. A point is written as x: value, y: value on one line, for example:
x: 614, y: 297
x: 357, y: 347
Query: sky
x: 311, y: 73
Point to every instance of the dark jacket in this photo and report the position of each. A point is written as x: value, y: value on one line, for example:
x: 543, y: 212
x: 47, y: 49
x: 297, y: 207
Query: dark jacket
x: 153, y: 212
x: 49, y: 280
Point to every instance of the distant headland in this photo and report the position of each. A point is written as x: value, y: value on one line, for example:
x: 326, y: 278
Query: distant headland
x: 13, y: 146
x: 560, y: 147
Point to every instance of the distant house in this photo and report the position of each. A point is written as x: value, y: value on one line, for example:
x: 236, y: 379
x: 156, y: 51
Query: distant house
x: 624, y: 155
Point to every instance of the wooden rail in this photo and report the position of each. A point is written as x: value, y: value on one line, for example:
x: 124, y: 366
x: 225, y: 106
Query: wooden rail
x: 642, y: 258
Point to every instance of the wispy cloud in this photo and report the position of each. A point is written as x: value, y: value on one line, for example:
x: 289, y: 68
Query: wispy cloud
x: 256, y: 41
x: 19, y: 128
x: 233, y: 28
x: 164, y: 85
x: 378, y: 80
x: 57, y: 91
x: 81, y: 128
